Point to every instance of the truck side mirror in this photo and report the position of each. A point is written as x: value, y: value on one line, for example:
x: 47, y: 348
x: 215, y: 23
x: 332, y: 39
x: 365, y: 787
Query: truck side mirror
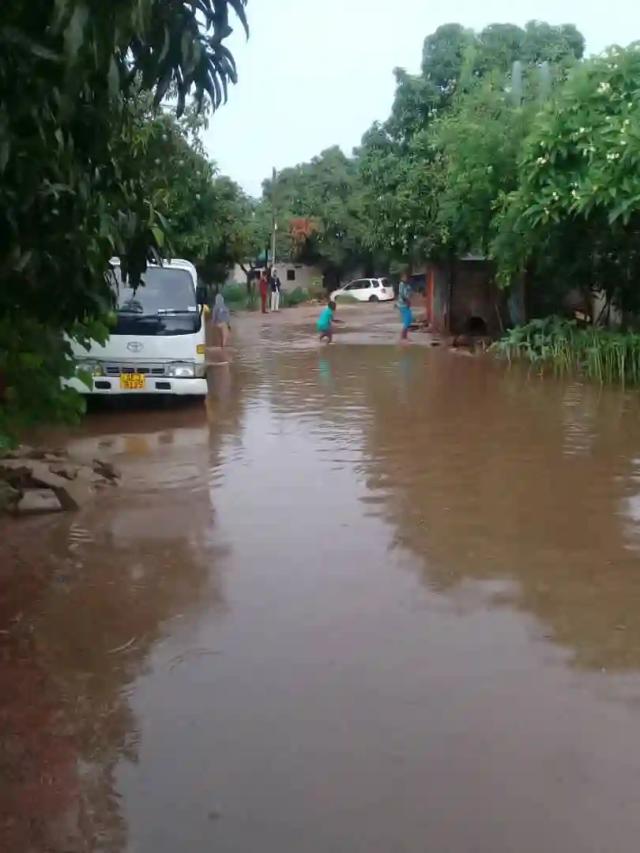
x: 201, y: 294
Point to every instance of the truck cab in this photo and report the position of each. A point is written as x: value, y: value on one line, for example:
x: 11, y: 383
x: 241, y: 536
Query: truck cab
x: 157, y: 345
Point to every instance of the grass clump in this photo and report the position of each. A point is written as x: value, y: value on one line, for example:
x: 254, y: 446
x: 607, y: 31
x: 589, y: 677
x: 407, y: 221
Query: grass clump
x: 598, y: 354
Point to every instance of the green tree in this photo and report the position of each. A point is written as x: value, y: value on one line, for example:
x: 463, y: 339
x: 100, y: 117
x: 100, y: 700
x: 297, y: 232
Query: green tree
x: 325, y: 192
x: 400, y: 194
x: 543, y: 42
x: 478, y: 142
x: 443, y: 56
x: 575, y: 215
x: 433, y: 174
x: 498, y: 46
x: 204, y: 211
x: 72, y: 191
x: 416, y: 102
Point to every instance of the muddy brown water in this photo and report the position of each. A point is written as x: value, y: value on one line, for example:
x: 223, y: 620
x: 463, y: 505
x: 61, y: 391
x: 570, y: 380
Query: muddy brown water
x: 369, y: 599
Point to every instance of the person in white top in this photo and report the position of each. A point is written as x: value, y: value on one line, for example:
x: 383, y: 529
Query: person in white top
x: 275, y: 285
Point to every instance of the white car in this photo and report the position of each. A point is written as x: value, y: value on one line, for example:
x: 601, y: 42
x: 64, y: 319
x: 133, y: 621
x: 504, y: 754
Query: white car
x: 367, y: 290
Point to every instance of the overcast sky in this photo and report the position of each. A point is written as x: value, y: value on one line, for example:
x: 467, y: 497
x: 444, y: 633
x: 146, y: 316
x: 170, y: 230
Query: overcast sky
x: 316, y: 73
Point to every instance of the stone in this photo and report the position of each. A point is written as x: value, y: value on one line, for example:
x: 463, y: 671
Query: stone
x: 71, y: 495
x: 15, y: 473
x: 89, y: 477
x: 36, y: 501
x: 54, y: 457
x: 64, y: 469
x: 21, y: 452
x: 105, y: 470
x: 9, y: 496
x: 73, y: 483
x: 25, y: 451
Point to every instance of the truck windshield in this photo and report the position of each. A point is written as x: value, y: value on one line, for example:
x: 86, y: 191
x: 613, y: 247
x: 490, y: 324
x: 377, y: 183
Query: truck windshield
x: 163, y: 290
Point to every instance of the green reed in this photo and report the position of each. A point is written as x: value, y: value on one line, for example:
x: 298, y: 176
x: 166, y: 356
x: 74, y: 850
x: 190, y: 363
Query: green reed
x: 599, y: 354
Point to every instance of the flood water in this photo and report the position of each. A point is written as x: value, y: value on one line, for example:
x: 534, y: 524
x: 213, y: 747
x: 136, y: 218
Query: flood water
x: 370, y: 600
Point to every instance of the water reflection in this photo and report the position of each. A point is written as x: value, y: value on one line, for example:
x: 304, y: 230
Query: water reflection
x: 487, y: 474
x: 86, y: 598
x: 362, y: 601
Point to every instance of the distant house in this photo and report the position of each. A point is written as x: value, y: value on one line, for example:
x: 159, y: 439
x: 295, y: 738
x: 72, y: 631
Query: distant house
x: 464, y: 298
x: 299, y: 275
x: 291, y: 275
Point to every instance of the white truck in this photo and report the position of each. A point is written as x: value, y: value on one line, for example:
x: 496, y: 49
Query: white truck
x: 157, y: 345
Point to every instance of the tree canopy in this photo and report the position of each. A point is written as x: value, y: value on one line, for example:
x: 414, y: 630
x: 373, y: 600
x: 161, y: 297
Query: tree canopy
x: 318, y: 209
x: 429, y: 180
x: 75, y: 149
x: 575, y: 212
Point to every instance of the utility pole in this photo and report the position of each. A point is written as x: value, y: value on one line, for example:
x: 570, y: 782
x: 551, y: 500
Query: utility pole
x: 274, y: 221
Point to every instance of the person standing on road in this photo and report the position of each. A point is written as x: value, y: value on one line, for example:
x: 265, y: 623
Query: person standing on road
x: 221, y: 320
x: 404, y: 305
x: 275, y: 285
x: 326, y: 321
x: 263, y: 286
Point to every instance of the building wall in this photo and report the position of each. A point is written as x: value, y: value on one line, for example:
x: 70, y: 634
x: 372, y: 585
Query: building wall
x: 305, y: 276
x: 468, y: 291
x: 474, y: 295
x: 440, y: 301
x: 236, y: 276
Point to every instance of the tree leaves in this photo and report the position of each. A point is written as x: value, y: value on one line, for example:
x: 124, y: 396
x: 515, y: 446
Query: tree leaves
x: 435, y: 172
x: 238, y: 7
x: 79, y: 143
x: 579, y: 193
x: 74, y: 31
x: 327, y: 193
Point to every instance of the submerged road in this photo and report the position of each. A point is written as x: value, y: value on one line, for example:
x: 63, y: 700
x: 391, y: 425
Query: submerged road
x: 367, y: 600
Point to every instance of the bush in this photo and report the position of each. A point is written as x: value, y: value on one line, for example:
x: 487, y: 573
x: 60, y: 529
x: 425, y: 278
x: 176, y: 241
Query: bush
x: 234, y: 294
x: 296, y: 297
x: 598, y: 354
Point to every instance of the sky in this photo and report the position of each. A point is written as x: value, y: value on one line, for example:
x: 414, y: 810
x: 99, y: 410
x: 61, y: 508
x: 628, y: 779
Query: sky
x: 316, y: 73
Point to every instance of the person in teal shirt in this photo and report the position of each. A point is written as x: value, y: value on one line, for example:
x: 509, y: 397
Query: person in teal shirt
x: 326, y: 321
x: 405, y: 292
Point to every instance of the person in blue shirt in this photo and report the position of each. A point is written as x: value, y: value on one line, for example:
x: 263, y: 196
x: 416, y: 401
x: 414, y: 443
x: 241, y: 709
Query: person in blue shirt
x: 403, y: 304
x: 326, y: 321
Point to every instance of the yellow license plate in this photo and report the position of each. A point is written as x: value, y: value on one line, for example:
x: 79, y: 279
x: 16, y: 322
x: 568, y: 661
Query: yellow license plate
x: 132, y: 381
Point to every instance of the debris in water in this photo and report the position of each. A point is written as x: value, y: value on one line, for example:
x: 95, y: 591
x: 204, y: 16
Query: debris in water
x: 122, y: 648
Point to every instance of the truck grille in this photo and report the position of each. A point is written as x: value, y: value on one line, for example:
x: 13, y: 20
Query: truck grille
x: 144, y: 369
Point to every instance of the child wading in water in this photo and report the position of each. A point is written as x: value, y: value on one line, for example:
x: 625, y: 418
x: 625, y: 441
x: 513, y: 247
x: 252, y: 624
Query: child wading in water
x: 326, y: 321
x: 404, y: 306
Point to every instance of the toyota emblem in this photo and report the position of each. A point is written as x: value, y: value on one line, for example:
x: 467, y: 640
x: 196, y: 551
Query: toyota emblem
x: 135, y: 346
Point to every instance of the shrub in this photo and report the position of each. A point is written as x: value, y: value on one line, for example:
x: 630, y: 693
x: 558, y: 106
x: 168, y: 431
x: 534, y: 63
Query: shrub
x: 296, y: 297
x: 598, y: 354
x: 234, y: 294
x: 251, y: 301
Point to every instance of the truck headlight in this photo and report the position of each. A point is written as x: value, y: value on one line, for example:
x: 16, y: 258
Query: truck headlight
x: 181, y: 370
x: 93, y: 368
